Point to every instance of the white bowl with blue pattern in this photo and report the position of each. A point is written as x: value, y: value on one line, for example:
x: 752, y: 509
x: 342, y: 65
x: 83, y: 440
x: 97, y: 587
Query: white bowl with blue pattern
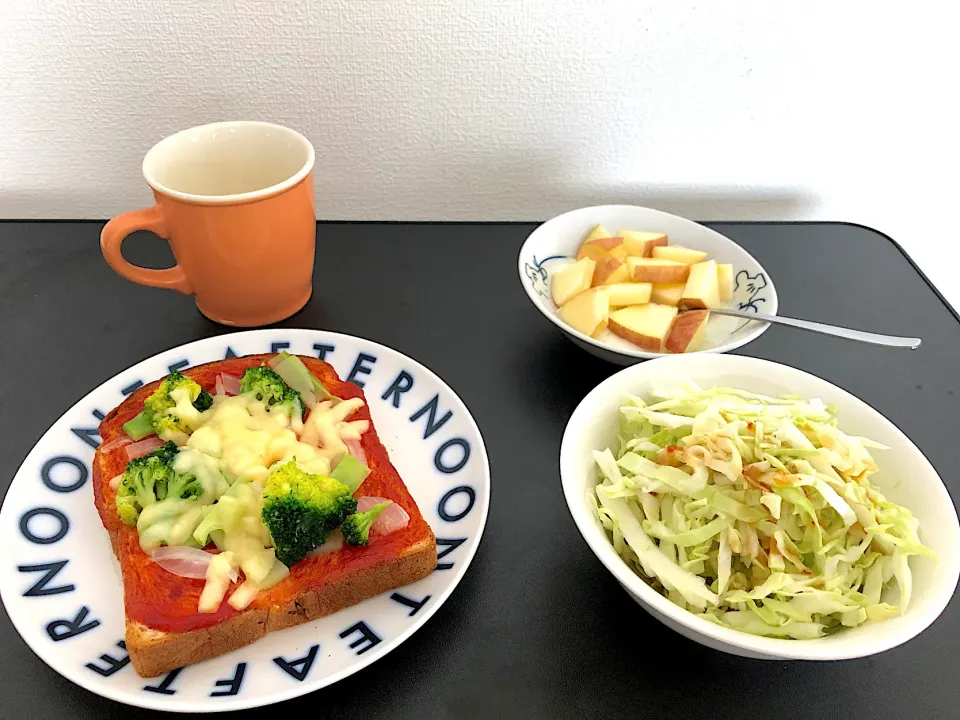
x: 555, y: 243
x: 60, y: 582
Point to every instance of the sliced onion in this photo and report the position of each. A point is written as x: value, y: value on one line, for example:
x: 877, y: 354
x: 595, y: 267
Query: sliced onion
x: 392, y: 517
x: 115, y: 481
x: 356, y: 449
x: 142, y: 447
x: 228, y: 384
x: 274, y: 361
x: 187, y: 562
x: 334, y: 542
x: 116, y: 443
x: 366, y: 502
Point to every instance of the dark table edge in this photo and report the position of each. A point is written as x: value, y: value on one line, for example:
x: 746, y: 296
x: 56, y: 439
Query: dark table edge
x: 897, y: 245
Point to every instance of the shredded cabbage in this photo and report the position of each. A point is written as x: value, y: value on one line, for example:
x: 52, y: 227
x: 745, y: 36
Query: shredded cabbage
x: 755, y: 512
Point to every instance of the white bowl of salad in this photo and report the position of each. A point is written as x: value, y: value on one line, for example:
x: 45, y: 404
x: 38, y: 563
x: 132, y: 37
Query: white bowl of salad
x: 760, y: 510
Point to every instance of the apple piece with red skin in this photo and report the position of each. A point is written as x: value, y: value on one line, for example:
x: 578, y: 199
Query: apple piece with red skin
x: 654, y: 270
x: 610, y: 271
x: 646, y: 326
x: 702, y: 289
x: 602, y: 248
x: 688, y: 331
x: 640, y: 243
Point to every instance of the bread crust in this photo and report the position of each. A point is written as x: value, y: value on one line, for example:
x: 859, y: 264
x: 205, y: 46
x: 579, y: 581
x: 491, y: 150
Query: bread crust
x: 416, y: 563
x: 155, y: 651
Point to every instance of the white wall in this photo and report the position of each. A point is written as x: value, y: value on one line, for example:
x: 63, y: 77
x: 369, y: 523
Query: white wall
x: 473, y: 109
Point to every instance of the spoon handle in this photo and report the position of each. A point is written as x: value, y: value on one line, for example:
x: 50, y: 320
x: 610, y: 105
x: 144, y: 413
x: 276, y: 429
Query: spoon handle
x: 824, y: 329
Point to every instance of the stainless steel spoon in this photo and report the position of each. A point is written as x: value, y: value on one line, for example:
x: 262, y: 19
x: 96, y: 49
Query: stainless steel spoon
x: 824, y: 329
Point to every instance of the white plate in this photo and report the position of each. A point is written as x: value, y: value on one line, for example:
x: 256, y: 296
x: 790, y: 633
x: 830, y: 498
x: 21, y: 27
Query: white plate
x: 61, y: 585
x: 555, y: 244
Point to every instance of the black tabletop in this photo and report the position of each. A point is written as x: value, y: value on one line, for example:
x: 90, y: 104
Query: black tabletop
x: 537, y: 628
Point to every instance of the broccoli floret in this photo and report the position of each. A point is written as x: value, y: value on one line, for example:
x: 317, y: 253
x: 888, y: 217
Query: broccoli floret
x: 300, y: 508
x: 185, y: 486
x: 160, y: 401
x: 356, y: 528
x: 157, y: 409
x: 151, y: 478
x: 140, y: 426
x: 170, y: 427
x: 203, y: 401
x: 271, y: 389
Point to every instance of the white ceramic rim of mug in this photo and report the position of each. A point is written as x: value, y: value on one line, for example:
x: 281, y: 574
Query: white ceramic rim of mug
x: 164, y: 146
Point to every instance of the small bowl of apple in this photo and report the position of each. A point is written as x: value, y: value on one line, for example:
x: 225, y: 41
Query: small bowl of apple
x: 627, y: 283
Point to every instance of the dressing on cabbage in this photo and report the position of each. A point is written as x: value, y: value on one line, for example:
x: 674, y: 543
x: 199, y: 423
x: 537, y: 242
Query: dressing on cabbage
x: 757, y: 513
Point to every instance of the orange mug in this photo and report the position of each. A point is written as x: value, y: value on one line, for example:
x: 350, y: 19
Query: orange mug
x: 235, y: 202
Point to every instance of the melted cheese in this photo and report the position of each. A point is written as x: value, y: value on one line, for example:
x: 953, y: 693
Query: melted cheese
x: 248, y: 439
x: 206, y: 468
x: 237, y: 441
x: 184, y: 408
x: 218, y: 581
x: 327, y: 428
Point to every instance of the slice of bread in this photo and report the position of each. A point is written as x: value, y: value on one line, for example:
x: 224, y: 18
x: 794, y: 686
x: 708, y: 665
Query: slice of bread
x: 163, y: 629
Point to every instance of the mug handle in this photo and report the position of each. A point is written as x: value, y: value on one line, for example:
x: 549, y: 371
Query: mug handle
x: 117, y: 230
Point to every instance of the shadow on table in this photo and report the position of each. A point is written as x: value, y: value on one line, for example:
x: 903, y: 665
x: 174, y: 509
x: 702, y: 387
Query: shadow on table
x: 608, y: 630
x: 553, y: 375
